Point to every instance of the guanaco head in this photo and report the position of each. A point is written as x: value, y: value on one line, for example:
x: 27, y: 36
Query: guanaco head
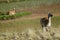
x: 50, y: 15
x: 13, y: 8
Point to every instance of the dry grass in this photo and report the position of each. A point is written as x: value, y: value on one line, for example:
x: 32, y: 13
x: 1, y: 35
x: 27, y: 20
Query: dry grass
x: 31, y: 34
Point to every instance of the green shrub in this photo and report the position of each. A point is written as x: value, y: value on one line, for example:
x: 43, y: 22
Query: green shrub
x: 22, y: 14
x: 6, y: 17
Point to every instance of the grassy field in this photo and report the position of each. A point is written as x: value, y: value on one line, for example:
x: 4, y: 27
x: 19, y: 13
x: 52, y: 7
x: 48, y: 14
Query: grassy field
x: 23, y: 24
x: 26, y: 4
x: 15, y: 25
x: 28, y: 27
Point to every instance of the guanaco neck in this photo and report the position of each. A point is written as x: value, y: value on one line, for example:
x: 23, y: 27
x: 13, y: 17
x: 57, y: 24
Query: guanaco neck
x: 49, y: 23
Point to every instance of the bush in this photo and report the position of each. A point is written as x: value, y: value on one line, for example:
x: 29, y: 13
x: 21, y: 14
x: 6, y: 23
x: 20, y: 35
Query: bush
x: 22, y: 14
x: 6, y: 17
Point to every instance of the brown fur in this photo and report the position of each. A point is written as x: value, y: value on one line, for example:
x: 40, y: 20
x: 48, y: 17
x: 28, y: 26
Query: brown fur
x: 11, y: 12
x: 44, y: 21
